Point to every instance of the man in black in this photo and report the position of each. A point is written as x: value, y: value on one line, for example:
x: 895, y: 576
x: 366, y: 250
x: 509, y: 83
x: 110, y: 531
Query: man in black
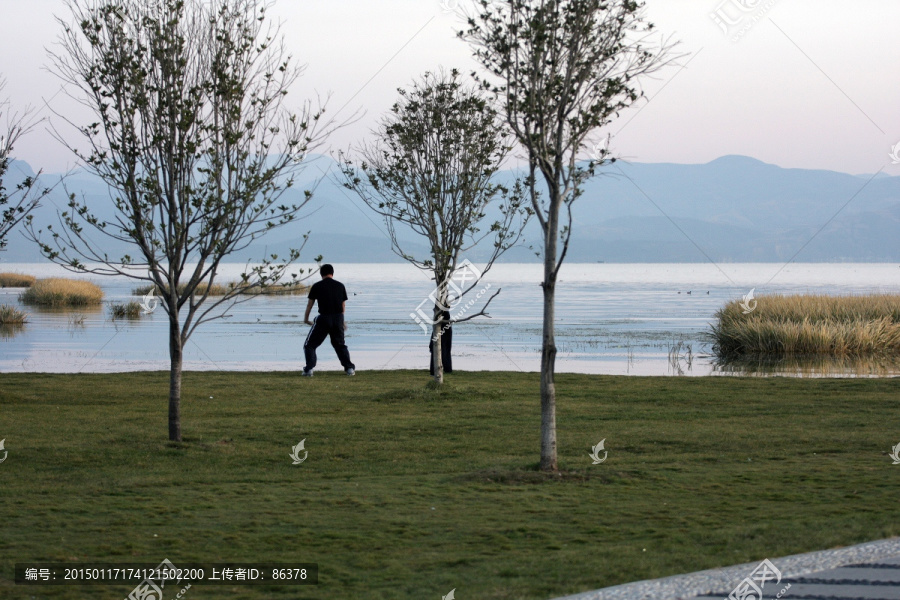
x: 332, y: 297
x: 446, y: 345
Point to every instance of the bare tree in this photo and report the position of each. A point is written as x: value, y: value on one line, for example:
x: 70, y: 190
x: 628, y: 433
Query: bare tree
x: 192, y: 137
x: 561, y: 69
x: 15, y: 204
x: 431, y: 171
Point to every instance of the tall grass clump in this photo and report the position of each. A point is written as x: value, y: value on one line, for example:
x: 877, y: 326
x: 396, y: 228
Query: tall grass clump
x: 10, y: 315
x: 125, y: 310
x: 59, y: 293
x: 16, y: 280
x: 809, y: 324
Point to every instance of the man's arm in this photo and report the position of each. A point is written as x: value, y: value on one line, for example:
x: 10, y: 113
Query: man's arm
x: 309, y: 306
x: 343, y: 306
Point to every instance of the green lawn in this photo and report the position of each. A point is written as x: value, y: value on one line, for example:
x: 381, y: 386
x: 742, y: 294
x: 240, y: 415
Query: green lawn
x: 408, y: 492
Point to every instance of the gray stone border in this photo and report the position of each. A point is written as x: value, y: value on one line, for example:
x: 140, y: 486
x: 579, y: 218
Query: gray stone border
x: 725, y: 578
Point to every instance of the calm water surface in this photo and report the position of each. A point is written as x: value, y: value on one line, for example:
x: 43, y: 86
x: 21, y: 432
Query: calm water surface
x: 611, y: 318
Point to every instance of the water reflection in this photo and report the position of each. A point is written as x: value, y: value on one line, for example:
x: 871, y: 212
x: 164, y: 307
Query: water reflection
x: 681, y: 358
x: 810, y: 366
x: 11, y: 330
x: 66, y: 311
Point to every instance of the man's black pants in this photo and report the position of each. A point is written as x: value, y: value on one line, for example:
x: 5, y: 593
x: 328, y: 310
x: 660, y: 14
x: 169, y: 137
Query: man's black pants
x: 327, y: 326
x: 446, y: 349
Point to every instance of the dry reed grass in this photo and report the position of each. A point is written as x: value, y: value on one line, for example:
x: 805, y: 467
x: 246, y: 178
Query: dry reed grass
x: 810, y: 324
x: 57, y: 292
x: 219, y: 289
x: 10, y: 315
x: 16, y: 280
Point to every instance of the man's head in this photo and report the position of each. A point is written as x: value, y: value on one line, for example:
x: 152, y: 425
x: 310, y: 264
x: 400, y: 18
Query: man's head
x: 326, y: 271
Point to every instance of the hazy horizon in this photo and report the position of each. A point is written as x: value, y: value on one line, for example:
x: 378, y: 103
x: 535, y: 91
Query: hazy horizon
x: 883, y: 173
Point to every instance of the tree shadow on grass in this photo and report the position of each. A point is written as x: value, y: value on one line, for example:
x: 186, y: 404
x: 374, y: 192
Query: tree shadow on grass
x: 532, y: 475
x: 433, y: 392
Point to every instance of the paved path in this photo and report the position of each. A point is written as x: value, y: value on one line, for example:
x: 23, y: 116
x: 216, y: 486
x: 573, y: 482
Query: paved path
x: 868, y: 571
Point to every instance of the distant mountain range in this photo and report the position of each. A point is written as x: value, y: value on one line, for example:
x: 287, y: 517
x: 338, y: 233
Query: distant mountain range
x: 733, y: 209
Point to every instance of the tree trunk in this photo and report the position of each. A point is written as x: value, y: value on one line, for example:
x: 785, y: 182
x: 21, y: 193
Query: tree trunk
x: 436, y: 355
x: 176, y: 356
x: 548, y: 343
x: 548, y: 385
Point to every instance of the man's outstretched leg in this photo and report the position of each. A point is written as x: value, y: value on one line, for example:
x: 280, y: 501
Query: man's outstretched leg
x: 314, y: 339
x: 336, y: 333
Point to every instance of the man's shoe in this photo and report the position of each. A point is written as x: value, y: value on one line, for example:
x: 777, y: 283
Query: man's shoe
x: 306, y: 373
x: 351, y: 372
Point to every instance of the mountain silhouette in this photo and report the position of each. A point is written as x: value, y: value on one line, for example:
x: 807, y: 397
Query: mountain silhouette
x: 733, y: 209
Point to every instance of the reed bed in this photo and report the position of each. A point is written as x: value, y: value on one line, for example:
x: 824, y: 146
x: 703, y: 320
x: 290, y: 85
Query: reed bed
x: 809, y: 324
x: 10, y: 315
x: 280, y: 289
x: 219, y: 289
x: 125, y: 310
x: 16, y: 280
x: 59, y: 293
x: 216, y: 290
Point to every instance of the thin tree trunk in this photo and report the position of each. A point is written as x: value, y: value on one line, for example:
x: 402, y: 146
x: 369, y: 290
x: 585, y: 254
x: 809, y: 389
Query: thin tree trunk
x: 548, y: 385
x: 436, y: 355
x: 548, y: 343
x: 176, y: 356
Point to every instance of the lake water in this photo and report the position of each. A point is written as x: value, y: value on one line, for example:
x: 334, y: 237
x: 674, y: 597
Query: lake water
x: 611, y: 319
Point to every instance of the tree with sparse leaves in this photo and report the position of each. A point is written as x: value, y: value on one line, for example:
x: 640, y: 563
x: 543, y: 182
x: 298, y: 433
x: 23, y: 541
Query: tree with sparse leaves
x: 191, y: 134
x: 431, y: 171
x: 25, y: 195
x: 561, y: 70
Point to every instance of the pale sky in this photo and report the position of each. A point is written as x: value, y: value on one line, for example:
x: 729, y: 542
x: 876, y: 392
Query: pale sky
x: 811, y: 83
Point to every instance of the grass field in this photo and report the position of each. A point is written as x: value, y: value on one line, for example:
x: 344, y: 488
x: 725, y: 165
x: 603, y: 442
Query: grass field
x: 408, y: 493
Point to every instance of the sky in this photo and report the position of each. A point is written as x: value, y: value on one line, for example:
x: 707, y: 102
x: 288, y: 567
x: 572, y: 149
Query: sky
x: 807, y: 84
